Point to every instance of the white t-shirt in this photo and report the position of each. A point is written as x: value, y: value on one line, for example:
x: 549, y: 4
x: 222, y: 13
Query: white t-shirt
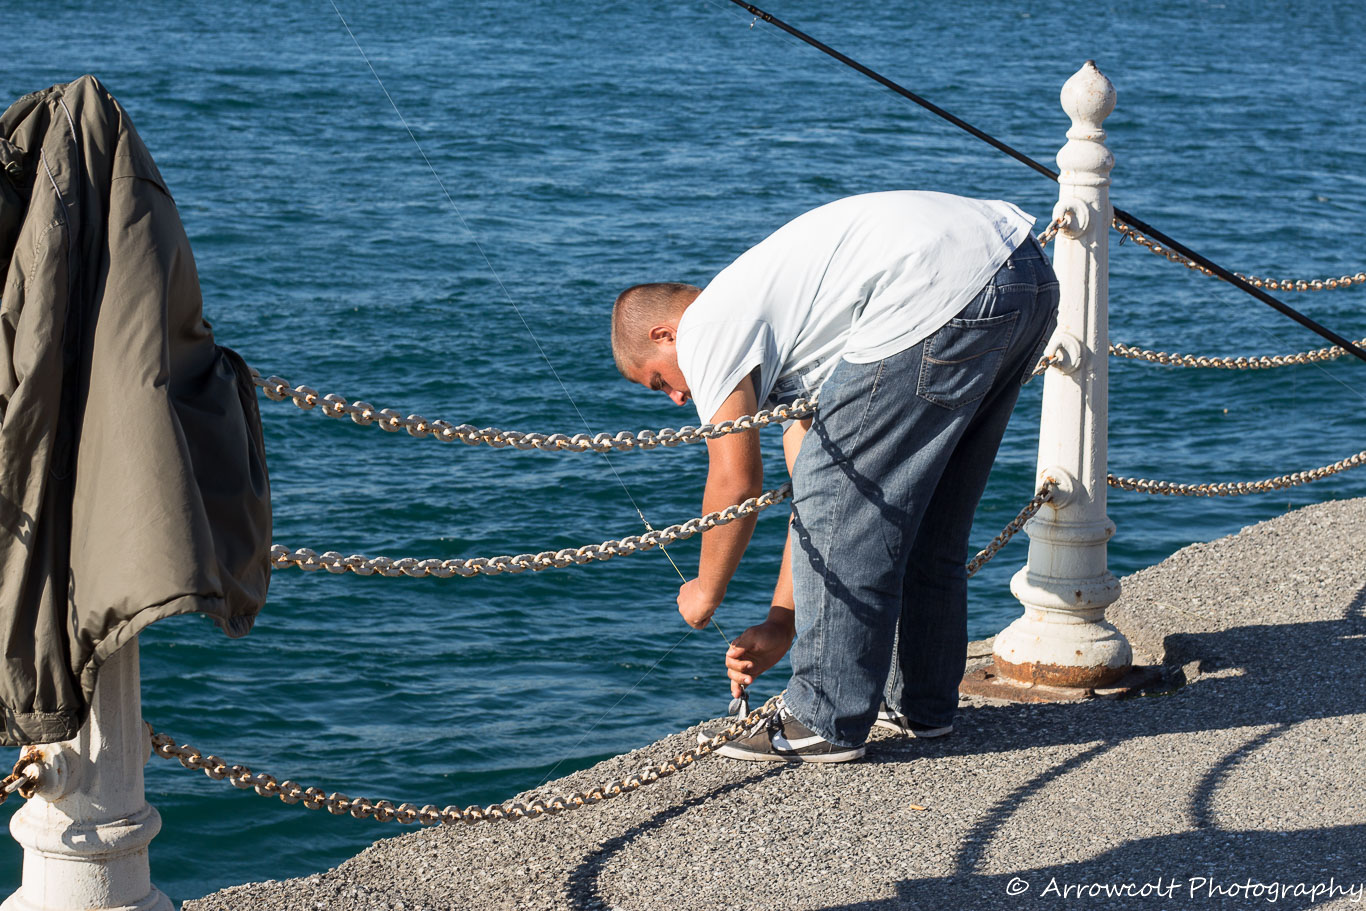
x: 861, y: 278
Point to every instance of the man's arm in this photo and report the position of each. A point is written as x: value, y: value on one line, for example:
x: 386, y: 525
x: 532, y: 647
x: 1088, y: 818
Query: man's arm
x: 735, y: 473
x: 760, y: 647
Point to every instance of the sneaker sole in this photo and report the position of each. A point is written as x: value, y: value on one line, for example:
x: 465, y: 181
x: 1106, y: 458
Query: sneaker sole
x: 731, y: 751
x: 923, y: 734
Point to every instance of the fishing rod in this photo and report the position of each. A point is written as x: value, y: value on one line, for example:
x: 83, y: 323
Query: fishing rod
x: 1048, y: 172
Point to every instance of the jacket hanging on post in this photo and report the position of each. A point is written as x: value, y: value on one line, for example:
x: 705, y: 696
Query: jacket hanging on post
x: 132, y: 470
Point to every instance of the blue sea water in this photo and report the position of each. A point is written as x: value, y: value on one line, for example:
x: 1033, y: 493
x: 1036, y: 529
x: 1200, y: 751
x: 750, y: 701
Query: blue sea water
x: 585, y: 147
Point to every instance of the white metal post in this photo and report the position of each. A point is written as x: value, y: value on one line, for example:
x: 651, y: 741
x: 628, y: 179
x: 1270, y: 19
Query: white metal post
x: 1063, y: 638
x: 86, y: 830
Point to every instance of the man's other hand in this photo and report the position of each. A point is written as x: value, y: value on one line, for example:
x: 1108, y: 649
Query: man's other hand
x: 696, y: 604
x: 759, y: 648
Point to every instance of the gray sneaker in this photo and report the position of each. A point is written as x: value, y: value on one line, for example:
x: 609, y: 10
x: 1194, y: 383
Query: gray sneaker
x: 785, y: 739
x: 893, y: 720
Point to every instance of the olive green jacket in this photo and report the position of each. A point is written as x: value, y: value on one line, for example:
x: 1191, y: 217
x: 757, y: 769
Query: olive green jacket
x: 132, y: 471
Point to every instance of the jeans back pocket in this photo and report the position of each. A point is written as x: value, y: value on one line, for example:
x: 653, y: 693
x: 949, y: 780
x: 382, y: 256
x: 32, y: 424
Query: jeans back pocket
x: 959, y: 362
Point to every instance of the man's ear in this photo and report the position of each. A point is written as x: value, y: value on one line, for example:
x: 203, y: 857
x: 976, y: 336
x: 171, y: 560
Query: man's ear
x: 662, y: 335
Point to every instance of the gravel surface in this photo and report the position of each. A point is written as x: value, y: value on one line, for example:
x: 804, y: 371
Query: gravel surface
x: 1245, y: 774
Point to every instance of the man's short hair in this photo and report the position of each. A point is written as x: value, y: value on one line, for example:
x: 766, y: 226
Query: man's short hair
x: 639, y: 309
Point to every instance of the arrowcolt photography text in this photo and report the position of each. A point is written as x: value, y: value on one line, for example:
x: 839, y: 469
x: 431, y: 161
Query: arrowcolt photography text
x: 1192, y: 888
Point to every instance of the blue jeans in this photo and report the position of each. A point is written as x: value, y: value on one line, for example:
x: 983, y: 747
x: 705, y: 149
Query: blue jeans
x: 884, y: 490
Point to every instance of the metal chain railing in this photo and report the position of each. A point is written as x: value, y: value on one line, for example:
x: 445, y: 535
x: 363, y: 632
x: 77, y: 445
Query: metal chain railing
x: 304, y: 558
x: 1033, y: 506
x: 1284, y: 284
x: 1330, y: 353
x: 1263, y: 362
x: 291, y: 792
x: 338, y: 804
x: 335, y: 406
x: 1238, y: 488
x: 334, y: 562
x: 1333, y: 352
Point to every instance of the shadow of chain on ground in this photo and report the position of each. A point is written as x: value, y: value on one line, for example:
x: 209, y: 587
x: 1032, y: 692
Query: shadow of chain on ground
x: 582, y: 885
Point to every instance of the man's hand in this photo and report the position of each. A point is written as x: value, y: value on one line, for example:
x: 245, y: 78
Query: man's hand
x: 696, y: 604
x: 759, y: 648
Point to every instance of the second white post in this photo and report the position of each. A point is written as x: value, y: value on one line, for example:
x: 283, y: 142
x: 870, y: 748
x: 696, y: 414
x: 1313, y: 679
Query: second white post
x: 1063, y: 638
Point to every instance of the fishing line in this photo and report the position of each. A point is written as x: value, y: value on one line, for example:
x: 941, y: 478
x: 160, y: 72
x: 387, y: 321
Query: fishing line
x: 614, y: 705
x: 649, y: 527
x: 530, y: 334
x: 1132, y: 220
x: 489, y: 263
x: 1324, y: 369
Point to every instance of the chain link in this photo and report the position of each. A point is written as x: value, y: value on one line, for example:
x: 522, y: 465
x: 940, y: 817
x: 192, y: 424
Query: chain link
x: 1331, y: 353
x: 334, y: 406
x: 1033, y: 506
x: 19, y: 779
x: 1284, y: 284
x: 291, y: 792
x: 1238, y: 488
x: 1052, y: 230
x: 1045, y: 362
x: 334, y: 562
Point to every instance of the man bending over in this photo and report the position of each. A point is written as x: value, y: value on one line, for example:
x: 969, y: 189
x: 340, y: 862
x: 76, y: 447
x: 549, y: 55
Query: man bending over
x: 915, y: 317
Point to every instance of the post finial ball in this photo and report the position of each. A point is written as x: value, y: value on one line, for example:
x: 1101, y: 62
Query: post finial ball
x: 1088, y: 97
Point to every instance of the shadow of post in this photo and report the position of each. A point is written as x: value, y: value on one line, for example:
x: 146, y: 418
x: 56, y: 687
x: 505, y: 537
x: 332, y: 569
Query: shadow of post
x: 1270, y: 677
x: 1278, y: 674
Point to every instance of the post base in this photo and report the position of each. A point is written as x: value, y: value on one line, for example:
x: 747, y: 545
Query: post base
x: 1038, y: 673
x: 156, y: 900
x: 987, y: 681
x: 1063, y: 638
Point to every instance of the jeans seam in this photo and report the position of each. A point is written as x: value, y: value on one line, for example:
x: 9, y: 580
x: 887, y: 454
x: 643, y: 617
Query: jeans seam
x: 833, y: 522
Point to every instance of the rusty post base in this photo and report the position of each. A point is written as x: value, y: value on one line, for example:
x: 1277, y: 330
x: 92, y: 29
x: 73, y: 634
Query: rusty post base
x: 985, y: 681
